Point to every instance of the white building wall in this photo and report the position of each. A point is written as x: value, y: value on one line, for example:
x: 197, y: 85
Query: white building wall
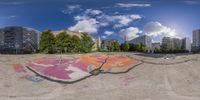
x: 187, y: 44
x: 196, y: 38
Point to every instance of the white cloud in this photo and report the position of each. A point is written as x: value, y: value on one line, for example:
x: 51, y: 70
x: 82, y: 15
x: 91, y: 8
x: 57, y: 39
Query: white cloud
x: 124, y: 20
x: 129, y: 33
x: 156, y: 29
x: 77, y: 18
x: 11, y: 3
x: 128, y: 5
x: 93, y: 12
x: 85, y: 24
x: 71, y: 8
x: 90, y: 20
x: 192, y: 2
x: 120, y: 20
x: 104, y: 37
x: 8, y: 17
x: 12, y: 17
x: 108, y: 33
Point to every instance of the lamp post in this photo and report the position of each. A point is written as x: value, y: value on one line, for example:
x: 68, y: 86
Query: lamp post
x: 16, y: 47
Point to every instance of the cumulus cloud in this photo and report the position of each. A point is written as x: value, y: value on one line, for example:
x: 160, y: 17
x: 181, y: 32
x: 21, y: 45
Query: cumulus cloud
x: 129, y: 33
x: 156, y: 29
x: 85, y: 24
x: 93, y: 12
x: 128, y: 5
x: 90, y: 20
x: 120, y: 20
x: 108, y: 33
x: 71, y: 8
x: 124, y: 20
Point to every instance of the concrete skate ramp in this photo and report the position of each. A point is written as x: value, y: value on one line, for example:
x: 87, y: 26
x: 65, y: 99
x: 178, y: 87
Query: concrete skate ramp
x: 72, y: 70
x: 147, y: 81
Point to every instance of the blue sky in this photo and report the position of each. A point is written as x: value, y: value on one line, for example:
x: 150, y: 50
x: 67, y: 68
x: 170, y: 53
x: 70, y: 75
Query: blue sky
x: 110, y: 19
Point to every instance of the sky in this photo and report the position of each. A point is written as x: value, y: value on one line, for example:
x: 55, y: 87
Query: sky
x: 109, y: 19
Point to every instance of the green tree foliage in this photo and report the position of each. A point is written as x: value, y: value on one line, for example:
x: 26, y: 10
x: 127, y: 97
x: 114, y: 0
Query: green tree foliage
x: 125, y: 46
x: 132, y: 47
x: 170, y: 48
x: 63, y: 42
x: 60, y: 41
x: 47, y: 42
x: 157, y: 50
x: 113, y: 46
x: 75, y: 44
x: 86, y: 43
x: 141, y: 48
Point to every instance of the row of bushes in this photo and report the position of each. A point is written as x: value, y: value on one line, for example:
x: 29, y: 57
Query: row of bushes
x: 126, y: 47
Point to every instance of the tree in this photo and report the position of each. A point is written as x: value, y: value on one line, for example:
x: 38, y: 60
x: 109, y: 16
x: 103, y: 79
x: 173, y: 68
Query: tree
x: 157, y: 50
x: 132, y: 47
x: 67, y: 43
x: 75, y: 44
x: 141, y: 47
x: 86, y: 43
x: 47, y: 42
x: 115, y: 46
x: 60, y: 41
x: 125, y: 46
x: 166, y: 47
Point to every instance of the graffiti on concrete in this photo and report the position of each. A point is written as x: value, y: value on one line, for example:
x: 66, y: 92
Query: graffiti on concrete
x: 70, y: 70
x: 19, y: 68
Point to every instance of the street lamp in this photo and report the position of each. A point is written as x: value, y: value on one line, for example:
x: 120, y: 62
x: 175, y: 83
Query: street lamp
x: 16, y: 47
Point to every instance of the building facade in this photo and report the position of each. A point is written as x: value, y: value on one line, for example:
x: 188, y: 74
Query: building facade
x: 186, y: 44
x: 16, y: 39
x: 155, y: 46
x: 97, y: 43
x: 172, y: 43
x: 196, y: 40
x: 146, y: 40
x: 105, y: 44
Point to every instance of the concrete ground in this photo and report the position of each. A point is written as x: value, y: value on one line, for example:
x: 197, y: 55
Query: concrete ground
x: 159, y: 77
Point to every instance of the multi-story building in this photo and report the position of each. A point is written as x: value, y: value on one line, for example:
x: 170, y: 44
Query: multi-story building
x: 146, y: 40
x: 18, y: 39
x: 186, y: 44
x: 172, y: 43
x: 98, y: 42
x: 155, y: 46
x: 196, y: 40
x: 176, y: 43
x: 106, y: 43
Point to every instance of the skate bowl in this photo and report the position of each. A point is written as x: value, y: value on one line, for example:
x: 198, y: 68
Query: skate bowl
x: 70, y: 70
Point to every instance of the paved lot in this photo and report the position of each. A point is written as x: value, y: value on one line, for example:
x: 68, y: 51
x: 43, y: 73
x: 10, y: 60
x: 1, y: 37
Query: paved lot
x: 159, y: 77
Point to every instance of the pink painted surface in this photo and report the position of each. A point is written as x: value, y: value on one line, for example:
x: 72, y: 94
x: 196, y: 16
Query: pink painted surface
x: 19, y: 68
x: 81, y: 66
x: 59, y: 68
x: 55, y: 71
